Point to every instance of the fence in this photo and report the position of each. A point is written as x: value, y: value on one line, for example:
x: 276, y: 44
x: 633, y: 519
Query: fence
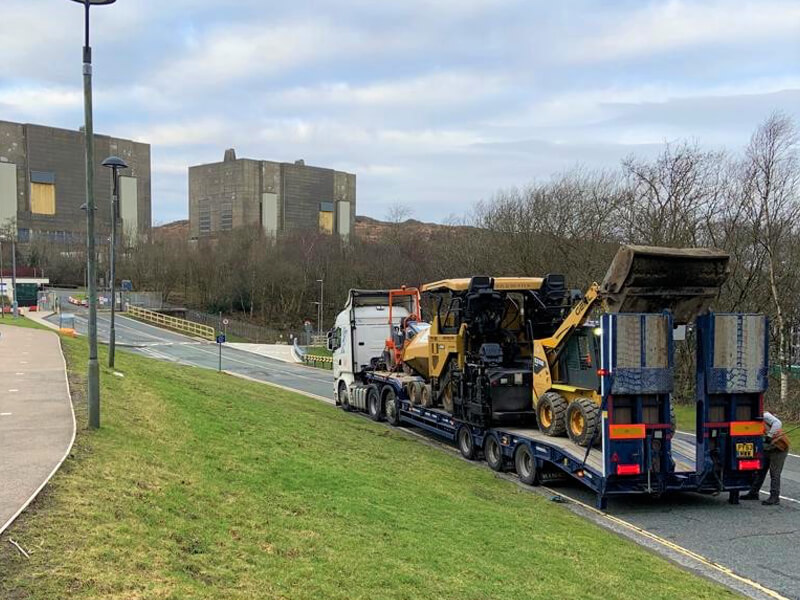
x: 247, y: 331
x: 181, y: 325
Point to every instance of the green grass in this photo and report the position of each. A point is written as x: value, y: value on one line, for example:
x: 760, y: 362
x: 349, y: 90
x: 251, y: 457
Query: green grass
x: 318, y: 351
x: 201, y: 485
x: 685, y: 415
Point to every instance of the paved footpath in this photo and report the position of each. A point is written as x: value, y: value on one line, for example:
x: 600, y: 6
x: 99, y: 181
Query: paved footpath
x: 37, y: 425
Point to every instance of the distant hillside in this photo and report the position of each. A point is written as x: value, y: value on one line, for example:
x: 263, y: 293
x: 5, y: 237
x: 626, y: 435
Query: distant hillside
x: 366, y: 228
x: 175, y: 230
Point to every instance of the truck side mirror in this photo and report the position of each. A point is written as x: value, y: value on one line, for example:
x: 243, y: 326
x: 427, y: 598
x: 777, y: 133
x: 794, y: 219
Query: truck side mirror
x: 329, y: 343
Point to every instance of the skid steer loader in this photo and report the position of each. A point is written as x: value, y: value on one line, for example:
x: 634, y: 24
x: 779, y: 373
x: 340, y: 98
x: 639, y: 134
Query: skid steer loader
x: 641, y: 280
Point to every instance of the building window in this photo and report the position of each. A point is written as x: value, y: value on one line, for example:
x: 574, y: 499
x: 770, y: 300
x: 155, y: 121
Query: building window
x: 43, y: 193
x: 204, y: 221
x: 226, y: 217
x: 326, y: 217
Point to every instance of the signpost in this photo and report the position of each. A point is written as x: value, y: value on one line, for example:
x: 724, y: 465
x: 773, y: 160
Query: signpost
x: 221, y: 336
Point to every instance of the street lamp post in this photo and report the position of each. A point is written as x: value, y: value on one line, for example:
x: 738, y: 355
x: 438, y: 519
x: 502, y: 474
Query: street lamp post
x: 321, y: 316
x: 91, y: 259
x: 116, y: 164
x: 2, y: 284
x: 14, y: 302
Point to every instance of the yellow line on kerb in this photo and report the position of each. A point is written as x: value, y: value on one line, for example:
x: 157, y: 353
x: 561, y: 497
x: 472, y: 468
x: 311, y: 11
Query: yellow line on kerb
x: 679, y: 549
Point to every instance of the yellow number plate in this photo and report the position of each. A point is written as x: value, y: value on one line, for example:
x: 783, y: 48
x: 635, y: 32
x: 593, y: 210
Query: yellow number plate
x: 744, y: 450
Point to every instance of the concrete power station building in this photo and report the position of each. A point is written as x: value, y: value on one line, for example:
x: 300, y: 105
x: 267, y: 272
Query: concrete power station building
x: 278, y: 197
x: 43, y: 186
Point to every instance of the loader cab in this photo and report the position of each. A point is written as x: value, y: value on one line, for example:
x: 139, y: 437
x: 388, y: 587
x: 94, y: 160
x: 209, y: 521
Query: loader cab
x: 580, y: 359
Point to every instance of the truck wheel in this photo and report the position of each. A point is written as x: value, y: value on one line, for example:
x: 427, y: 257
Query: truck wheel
x: 374, y: 407
x: 344, y: 397
x: 551, y: 411
x: 493, y: 452
x: 391, y: 406
x: 466, y: 443
x: 673, y: 421
x: 525, y: 465
x: 583, y: 417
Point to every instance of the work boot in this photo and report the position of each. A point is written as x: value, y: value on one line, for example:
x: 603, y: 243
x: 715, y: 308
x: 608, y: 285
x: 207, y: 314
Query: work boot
x: 750, y: 496
x: 771, y: 500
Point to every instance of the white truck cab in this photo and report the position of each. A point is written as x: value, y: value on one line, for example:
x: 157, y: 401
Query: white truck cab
x: 359, y: 335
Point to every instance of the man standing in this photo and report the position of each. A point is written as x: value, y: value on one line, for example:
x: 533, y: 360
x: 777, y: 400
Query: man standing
x: 776, y: 447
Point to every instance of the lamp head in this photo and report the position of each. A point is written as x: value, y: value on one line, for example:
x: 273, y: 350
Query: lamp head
x: 95, y: 2
x: 114, y: 162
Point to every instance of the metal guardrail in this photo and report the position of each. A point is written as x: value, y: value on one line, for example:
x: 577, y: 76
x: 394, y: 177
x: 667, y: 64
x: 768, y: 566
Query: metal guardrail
x: 182, y: 325
x: 321, y: 362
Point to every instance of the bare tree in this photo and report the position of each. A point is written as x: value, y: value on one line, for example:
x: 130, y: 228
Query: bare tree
x: 771, y: 182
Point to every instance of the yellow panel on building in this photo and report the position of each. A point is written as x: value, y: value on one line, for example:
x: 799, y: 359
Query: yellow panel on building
x: 326, y: 222
x: 43, y: 198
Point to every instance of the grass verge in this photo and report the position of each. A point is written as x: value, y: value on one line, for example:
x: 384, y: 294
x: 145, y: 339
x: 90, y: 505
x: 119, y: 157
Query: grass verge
x: 202, y: 486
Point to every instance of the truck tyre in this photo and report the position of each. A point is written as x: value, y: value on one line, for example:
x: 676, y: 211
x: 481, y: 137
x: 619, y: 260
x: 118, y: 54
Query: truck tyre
x: 583, y: 419
x: 415, y: 392
x: 673, y: 421
x: 344, y: 396
x: 391, y: 407
x: 493, y: 452
x: 551, y: 414
x: 466, y: 443
x: 374, y: 405
x: 425, y: 396
x: 525, y: 465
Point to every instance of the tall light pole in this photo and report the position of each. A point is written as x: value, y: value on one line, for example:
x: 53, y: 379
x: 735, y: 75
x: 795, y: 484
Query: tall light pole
x: 91, y: 259
x: 321, y: 283
x: 2, y: 284
x: 14, y: 302
x: 116, y: 164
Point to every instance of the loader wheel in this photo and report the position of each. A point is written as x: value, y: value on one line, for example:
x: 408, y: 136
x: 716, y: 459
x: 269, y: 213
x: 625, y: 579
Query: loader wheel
x: 551, y: 411
x: 415, y: 392
x: 374, y: 407
x: 525, y: 465
x: 391, y: 407
x: 466, y: 443
x: 344, y: 397
x: 493, y: 452
x: 447, y: 398
x: 425, y: 396
x: 583, y: 418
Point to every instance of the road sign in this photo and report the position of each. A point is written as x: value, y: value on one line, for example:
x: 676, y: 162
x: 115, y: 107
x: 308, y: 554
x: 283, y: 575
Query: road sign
x: 221, y: 338
x: 225, y: 321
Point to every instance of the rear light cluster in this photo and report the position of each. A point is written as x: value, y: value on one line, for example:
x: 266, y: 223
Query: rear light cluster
x: 750, y: 465
x: 629, y: 470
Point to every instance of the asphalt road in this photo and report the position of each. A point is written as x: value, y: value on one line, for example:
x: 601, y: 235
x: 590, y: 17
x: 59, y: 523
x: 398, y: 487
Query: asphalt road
x: 757, y: 542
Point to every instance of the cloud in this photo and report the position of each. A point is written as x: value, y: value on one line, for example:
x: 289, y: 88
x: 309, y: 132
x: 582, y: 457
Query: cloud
x: 660, y: 27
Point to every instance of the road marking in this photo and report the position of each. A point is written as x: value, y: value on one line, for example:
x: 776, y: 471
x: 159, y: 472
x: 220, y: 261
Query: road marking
x: 675, y: 548
x: 5, y: 414
x: 766, y: 493
x: 20, y: 373
x: 279, y: 386
x: 13, y: 390
x: 23, y: 362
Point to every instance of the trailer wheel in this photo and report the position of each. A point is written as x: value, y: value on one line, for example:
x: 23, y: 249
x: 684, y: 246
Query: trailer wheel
x: 344, y: 397
x: 466, y: 443
x: 493, y: 452
x: 673, y: 421
x: 583, y: 417
x: 525, y: 465
x: 391, y: 407
x: 374, y: 407
x: 551, y: 412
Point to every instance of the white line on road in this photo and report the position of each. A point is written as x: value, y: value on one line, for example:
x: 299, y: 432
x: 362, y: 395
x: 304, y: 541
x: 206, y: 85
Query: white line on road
x: 5, y: 414
x: 13, y: 390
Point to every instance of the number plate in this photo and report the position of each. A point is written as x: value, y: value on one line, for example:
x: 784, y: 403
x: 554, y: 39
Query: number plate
x: 745, y: 450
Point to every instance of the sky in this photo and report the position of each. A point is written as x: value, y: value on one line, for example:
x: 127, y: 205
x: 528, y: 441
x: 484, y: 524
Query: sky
x: 434, y: 104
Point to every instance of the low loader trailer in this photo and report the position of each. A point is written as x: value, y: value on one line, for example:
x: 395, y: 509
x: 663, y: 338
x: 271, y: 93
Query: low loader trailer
x: 636, y: 449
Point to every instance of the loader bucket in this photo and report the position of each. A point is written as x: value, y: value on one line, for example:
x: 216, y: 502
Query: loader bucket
x: 651, y: 279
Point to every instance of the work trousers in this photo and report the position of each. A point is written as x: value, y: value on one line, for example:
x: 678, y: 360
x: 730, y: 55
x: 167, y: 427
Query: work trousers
x: 773, y: 462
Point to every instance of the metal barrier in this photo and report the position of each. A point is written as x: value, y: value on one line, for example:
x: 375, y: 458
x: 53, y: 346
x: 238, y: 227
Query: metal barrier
x: 182, y: 325
x: 321, y: 362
